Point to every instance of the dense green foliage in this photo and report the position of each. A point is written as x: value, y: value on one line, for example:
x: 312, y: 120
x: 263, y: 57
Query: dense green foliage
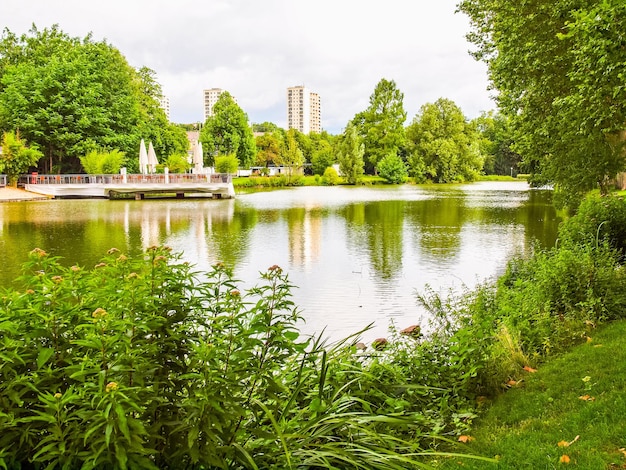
x: 71, y: 96
x: 598, y: 221
x: 293, y: 157
x: 495, y: 138
x: 392, y: 169
x: 350, y: 150
x: 569, y: 118
x: 227, y: 132
x: 542, y: 304
x: 143, y: 363
x: 268, y: 147
x: 99, y: 163
x: 16, y: 157
x: 443, y: 146
x: 381, y: 125
x: 226, y: 164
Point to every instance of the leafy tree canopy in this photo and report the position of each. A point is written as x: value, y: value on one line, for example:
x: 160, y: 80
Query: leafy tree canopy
x: 443, y: 147
x: 268, y: 147
x: 559, y: 68
x: 71, y: 96
x: 381, y: 125
x: 350, y: 152
x: 227, y: 132
x: 496, y: 144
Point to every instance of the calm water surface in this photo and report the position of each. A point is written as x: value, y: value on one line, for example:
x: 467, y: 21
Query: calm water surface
x: 357, y: 254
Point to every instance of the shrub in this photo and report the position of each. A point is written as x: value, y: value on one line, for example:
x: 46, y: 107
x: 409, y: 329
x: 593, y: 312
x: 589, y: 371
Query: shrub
x: 144, y: 363
x: 177, y: 163
x: 102, y: 163
x: 226, y: 164
x: 330, y: 178
x: 598, y: 220
x: 392, y: 169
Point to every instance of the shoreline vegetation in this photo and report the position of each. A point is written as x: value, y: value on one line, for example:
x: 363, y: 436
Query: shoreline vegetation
x: 282, y: 181
x: 143, y: 362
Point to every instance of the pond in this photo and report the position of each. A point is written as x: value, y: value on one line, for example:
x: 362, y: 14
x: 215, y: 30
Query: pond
x: 357, y: 255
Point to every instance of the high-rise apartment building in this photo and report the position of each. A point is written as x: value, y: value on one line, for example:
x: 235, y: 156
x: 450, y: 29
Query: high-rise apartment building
x: 210, y: 98
x: 304, y: 111
x: 164, y: 102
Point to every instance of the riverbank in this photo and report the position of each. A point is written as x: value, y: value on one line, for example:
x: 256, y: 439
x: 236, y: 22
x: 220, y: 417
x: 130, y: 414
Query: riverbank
x: 8, y: 194
x: 569, y: 411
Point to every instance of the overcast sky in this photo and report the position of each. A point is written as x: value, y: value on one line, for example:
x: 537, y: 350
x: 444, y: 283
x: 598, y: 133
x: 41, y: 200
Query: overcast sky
x: 255, y: 49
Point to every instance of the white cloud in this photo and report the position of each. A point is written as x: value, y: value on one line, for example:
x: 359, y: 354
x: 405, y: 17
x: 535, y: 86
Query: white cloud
x: 255, y: 50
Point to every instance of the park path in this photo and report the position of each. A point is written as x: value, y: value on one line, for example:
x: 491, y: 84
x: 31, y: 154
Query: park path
x: 8, y: 194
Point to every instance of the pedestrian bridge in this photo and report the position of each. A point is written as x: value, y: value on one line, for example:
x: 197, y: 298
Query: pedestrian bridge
x: 216, y: 185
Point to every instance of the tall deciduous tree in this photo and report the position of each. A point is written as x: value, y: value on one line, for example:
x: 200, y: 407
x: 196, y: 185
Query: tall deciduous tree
x: 559, y: 68
x: 381, y: 125
x: 227, y: 132
x: 293, y: 158
x: 350, y: 150
x: 268, y: 149
x: 68, y: 96
x: 168, y: 139
x: 443, y: 146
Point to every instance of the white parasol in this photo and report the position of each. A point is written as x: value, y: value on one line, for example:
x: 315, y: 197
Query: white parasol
x: 198, y: 158
x: 152, y: 159
x: 143, y: 158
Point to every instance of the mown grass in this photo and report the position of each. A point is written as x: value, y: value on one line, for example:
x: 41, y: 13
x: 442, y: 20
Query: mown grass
x: 571, y: 413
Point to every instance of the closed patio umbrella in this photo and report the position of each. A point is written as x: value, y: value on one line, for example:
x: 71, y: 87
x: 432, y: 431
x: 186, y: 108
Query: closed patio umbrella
x: 198, y: 159
x: 143, y: 158
x: 152, y: 159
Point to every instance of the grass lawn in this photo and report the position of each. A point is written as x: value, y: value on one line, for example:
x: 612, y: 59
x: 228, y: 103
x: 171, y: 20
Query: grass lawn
x: 570, y: 413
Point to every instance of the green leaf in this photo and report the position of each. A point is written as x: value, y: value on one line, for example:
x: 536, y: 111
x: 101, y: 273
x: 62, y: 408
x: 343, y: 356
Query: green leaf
x: 43, y: 356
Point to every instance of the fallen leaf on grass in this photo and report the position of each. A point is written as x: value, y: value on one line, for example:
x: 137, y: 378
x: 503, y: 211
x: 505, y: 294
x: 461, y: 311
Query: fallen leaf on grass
x: 529, y: 369
x: 566, y: 443
x: 587, y: 398
x: 564, y: 459
x: 622, y: 450
x: 465, y: 438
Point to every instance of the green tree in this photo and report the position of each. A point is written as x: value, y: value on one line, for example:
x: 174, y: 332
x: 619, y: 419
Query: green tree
x: 227, y: 132
x: 264, y: 127
x: 443, y: 146
x: 167, y: 138
x: 350, y: 152
x: 559, y: 70
x: 293, y: 158
x: 268, y: 147
x: 381, y: 125
x: 16, y: 156
x: 392, y: 169
x: 322, y: 158
x: 68, y: 96
x: 496, y: 144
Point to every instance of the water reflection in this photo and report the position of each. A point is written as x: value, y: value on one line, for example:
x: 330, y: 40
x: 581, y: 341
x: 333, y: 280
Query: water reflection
x: 356, y: 255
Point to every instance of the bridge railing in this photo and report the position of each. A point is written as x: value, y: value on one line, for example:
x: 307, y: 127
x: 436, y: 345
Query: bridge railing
x: 172, y: 178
